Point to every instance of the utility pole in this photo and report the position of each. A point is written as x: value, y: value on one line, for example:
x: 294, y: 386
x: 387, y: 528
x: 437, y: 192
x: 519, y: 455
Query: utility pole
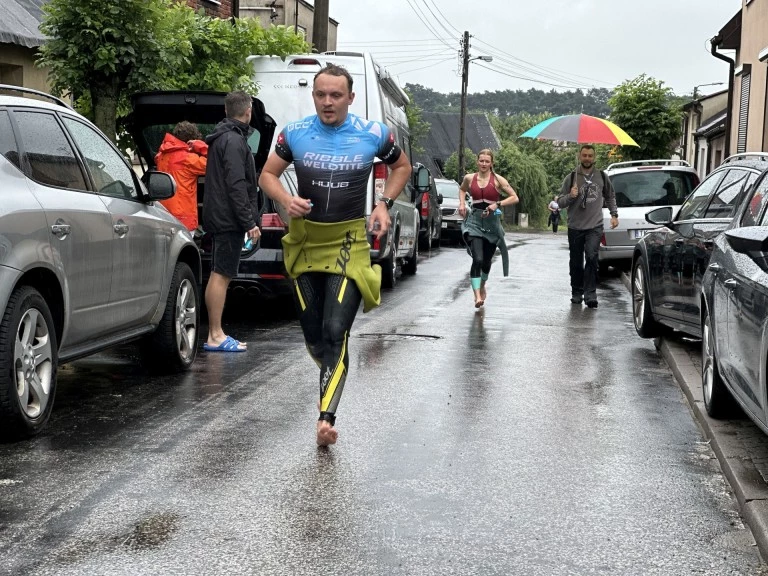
x: 320, y: 26
x: 463, y: 112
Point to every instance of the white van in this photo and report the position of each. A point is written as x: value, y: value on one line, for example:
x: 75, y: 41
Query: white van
x: 285, y: 88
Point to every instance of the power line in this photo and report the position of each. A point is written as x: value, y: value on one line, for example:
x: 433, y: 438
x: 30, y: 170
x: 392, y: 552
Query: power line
x: 444, y: 27
x: 398, y: 42
x: 423, y: 67
x: 528, y: 78
x: 424, y: 21
x: 545, y: 67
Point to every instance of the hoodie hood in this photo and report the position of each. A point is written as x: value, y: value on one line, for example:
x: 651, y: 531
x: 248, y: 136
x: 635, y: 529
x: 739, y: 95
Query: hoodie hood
x: 229, y: 125
x: 172, y: 144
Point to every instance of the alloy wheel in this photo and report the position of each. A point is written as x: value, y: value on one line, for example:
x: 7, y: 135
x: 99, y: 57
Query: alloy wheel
x: 638, y: 297
x: 708, y: 362
x: 33, y: 363
x: 186, y: 319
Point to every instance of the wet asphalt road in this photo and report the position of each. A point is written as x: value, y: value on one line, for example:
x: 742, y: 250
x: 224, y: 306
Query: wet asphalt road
x: 533, y: 437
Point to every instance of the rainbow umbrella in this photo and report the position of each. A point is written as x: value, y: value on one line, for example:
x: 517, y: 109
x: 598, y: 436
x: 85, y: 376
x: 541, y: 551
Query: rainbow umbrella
x: 580, y: 128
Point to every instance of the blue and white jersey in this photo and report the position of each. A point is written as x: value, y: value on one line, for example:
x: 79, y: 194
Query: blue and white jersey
x: 333, y: 163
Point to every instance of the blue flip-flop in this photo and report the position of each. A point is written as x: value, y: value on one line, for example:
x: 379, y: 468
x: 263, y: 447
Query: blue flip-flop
x: 229, y: 345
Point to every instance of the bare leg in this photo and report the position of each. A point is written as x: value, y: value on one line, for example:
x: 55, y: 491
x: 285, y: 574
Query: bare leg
x: 479, y: 299
x: 215, y: 297
x: 483, y: 293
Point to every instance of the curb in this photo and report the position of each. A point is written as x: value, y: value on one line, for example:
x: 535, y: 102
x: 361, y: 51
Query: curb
x: 747, y: 483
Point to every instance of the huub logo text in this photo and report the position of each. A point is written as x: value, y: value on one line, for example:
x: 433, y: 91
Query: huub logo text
x: 328, y: 184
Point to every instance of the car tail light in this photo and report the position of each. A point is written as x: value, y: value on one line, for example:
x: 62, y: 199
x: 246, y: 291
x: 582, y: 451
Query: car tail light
x: 272, y: 221
x: 380, y: 174
x: 425, y: 204
x: 272, y: 276
x: 602, y: 240
x: 305, y: 62
x: 376, y: 244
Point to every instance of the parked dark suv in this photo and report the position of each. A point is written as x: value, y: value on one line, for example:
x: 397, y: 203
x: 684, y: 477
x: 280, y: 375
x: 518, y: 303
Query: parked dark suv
x: 261, y: 263
x: 669, y: 262
x: 430, y: 215
x: 88, y: 257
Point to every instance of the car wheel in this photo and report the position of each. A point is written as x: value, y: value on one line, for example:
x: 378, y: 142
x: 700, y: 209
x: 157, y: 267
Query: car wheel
x: 28, y: 363
x: 426, y: 239
x: 438, y: 236
x: 717, y: 399
x: 173, y: 346
x: 645, y: 324
x: 389, y: 267
x: 411, y: 263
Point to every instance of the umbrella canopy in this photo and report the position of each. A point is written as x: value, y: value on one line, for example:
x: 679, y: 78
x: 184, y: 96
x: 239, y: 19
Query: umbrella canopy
x: 580, y: 128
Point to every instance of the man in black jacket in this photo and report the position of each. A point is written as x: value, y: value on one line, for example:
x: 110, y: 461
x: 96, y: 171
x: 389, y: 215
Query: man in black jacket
x: 229, y: 210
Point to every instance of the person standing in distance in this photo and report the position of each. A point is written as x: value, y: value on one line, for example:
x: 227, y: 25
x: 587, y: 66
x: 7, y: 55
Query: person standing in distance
x: 229, y: 211
x: 583, y: 192
x: 326, y: 250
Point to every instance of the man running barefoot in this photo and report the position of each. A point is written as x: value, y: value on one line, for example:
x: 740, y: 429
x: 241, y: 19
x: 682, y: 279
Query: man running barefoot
x: 326, y: 250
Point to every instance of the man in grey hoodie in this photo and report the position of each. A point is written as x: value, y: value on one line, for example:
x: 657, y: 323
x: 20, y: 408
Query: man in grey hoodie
x: 583, y: 193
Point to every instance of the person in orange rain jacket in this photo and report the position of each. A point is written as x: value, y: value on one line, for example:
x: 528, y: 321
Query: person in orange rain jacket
x: 183, y: 155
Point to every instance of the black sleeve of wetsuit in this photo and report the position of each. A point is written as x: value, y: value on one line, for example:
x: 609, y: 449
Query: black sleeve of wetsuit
x: 389, y: 152
x: 282, y: 149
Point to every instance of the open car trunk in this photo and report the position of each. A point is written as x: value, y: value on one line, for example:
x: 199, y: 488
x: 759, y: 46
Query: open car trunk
x: 156, y: 113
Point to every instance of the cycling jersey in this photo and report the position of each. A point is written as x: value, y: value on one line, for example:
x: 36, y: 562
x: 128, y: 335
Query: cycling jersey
x: 333, y: 163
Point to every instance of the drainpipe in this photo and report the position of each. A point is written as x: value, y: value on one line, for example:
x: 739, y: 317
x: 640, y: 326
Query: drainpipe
x: 731, y: 69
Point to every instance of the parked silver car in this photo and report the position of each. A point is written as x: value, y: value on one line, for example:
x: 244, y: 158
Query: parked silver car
x: 88, y: 258
x: 452, y: 220
x: 640, y: 186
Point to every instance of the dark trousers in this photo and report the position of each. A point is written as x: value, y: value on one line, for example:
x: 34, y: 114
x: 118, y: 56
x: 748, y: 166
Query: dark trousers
x: 482, y: 254
x: 583, y: 246
x: 554, y: 220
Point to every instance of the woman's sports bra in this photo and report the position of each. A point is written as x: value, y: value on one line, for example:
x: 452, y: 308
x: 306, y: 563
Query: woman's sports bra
x: 486, y: 195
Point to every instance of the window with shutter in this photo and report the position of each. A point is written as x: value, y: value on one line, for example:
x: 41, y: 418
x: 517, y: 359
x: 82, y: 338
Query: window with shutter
x: 741, y: 143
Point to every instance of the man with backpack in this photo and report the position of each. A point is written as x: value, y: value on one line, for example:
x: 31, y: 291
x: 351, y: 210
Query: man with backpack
x: 583, y: 194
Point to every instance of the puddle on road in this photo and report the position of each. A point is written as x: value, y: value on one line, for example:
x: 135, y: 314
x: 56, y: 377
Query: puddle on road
x: 152, y: 532
x: 397, y: 337
x: 148, y: 534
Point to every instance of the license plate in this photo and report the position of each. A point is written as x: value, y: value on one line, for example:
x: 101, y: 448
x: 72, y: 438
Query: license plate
x: 445, y: 224
x: 638, y: 233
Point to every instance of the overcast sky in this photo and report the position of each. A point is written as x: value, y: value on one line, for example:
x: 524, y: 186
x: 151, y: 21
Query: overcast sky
x: 567, y: 43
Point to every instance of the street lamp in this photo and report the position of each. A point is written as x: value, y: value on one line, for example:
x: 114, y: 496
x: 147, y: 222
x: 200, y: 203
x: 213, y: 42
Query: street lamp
x: 695, y: 95
x: 463, y: 113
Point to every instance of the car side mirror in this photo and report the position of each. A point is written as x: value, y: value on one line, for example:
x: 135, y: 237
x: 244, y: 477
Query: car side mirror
x: 748, y: 240
x: 660, y: 216
x: 160, y: 185
x: 439, y: 198
x: 421, y: 178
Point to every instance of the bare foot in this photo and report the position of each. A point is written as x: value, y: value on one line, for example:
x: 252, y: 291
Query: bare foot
x: 483, y: 293
x: 326, y: 434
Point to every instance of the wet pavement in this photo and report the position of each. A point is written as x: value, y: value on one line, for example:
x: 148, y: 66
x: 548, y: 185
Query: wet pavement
x: 531, y: 437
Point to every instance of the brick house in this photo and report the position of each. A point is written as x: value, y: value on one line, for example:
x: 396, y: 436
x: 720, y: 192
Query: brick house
x: 216, y: 8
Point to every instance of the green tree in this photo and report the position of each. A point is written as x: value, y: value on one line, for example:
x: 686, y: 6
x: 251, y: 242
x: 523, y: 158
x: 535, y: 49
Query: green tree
x: 645, y: 109
x: 101, y: 51
x: 527, y: 175
x: 418, y: 128
x: 451, y: 169
x: 204, y: 53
